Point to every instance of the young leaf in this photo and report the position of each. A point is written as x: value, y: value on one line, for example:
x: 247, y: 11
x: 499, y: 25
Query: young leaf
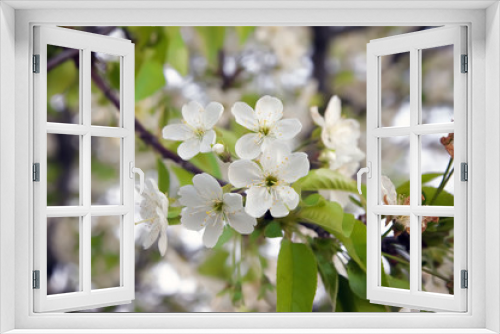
x: 357, y: 279
x: 329, y: 215
x: 273, y: 230
x: 163, y: 176
x: 149, y: 79
x: 243, y: 33
x: 178, y: 53
x: 347, y: 224
x: 326, y: 179
x: 404, y: 189
x: 182, y: 175
x: 296, y: 278
x: 323, y: 251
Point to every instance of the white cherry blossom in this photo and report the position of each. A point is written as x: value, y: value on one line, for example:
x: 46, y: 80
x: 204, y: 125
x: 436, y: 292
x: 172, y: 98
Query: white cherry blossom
x: 340, y: 137
x: 389, y: 195
x: 266, y: 124
x: 196, y: 131
x: 154, y: 211
x: 269, y: 181
x: 206, y: 206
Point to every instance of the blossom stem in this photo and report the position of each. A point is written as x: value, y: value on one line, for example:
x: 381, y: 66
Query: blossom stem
x: 444, y: 181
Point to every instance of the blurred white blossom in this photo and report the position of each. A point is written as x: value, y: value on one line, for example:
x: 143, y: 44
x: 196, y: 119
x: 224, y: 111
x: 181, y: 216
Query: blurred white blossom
x: 269, y: 183
x: 340, y: 137
x: 206, y: 206
x: 196, y: 129
x: 154, y: 211
x: 266, y: 125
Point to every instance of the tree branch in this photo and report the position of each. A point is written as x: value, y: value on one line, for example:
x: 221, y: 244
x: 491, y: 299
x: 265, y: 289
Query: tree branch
x: 71, y: 53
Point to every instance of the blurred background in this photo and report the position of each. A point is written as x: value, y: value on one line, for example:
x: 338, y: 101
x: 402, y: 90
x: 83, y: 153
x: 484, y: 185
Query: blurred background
x: 304, y: 67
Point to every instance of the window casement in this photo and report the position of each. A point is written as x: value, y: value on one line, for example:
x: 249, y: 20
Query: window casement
x: 81, y: 133
x: 415, y: 131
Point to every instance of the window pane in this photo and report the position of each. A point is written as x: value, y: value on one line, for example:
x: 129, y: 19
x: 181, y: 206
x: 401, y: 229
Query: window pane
x: 63, y: 171
x: 105, y: 168
x: 106, y: 232
x: 437, y: 168
x: 63, y: 255
x: 63, y: 85
x: 437, y: 254
x: 107, y: 68
x: 395, y: 170
x: 395, y: 86
x: 437, y: 84
x: 395, y: 252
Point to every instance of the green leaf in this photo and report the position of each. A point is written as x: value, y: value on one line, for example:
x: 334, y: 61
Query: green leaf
x: 215, y: 265
x: 243, y: 33
x: 443, y: 199
x: 183, y: 176
x: 212, y: 39
x: 357, y: 279
x: 314, y: 200
x: 228, y: 139
x: 174, y: 212
x: 149, y: 79
x: 273, y: 230
x: 226, y: 235
x: 208, y: 163
x: 329, y: 215
x: 296, y: 278
x: 323, y: 251
x: 404, y: 189
x: 325, y: 179
x: 178, y: 53
x: 349, y: 302
x: 348, y: 224
x: 163, y: 176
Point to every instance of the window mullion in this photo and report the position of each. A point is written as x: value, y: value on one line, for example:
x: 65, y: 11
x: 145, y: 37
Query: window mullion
x: 414, y: 169
x: 86, y: 173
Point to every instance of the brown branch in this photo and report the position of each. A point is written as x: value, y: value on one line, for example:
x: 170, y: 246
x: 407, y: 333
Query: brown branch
x: 146, y: 136
x: 71, y: 53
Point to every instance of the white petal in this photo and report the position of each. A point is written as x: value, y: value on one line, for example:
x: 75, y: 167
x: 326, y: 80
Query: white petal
x: 192, y: 112
x: 207, y: 141
x: 258, y: 201
x: 151, y: 236
x: 211, y: 115
x: 207, y: 186
x: 274, y: 157
x: 213, y: 231
x: 287, y: 128
x: 288, y: 196
x: 296, y: 166
x: 190, y: 197
x: 333, y: 111
x: 241, y: 222
x: 268, y: 110
x: 245, y: 116
x: 162, y: 243
x: 177, y: 132
x: 278, y: 210
x: 389, y: 195
x: 317, y: 118
x: 266, y: 142
x: 194, y: 219
x: 248, y: 146
x: 244, y: 173
x: 189, y: 148
x: 232, y: 202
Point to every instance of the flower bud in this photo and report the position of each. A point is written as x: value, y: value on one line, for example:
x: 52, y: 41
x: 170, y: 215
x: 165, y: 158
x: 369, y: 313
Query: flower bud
x: 218, y: 149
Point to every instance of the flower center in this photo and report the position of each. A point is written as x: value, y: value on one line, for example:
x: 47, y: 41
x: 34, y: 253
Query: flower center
x: 265, y: 130
x: 199, y: 132
x: 270, y: 180
x: 218, y: 205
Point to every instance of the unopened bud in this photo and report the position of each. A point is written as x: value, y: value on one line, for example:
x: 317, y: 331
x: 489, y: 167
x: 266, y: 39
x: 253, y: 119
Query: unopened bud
x: 218, y: 149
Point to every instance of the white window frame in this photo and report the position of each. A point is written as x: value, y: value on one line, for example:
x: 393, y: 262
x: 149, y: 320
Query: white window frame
x: 483, y: 21
x: 86, y: 43
x: 413, y: 43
